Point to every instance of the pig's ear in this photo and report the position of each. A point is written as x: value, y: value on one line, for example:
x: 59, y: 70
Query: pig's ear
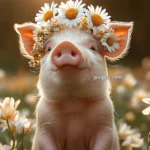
x: 123, y: 30
x: 25, y: 32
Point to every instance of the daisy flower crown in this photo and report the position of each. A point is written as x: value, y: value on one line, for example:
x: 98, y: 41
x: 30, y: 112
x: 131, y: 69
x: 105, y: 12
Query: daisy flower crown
x: 72, y: 14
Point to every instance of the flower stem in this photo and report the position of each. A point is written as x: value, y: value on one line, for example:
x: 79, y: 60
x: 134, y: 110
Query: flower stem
x: 11, y: 134
x: 22, y: 147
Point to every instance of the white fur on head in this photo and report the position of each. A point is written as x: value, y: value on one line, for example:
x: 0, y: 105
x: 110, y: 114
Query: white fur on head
x: 25, y: 40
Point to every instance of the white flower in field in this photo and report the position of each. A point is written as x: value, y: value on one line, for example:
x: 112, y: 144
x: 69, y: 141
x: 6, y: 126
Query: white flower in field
x: 110, y: 41
x: 25, y: 112
x: 47, y: 12
x: 141, y: 94
x: 8, y: 108
x: 125, y: 130
x: 136, y: 100
x: 129, y: 138
x: 133, y: 141
x: 71, y: 12
x: 121, y: 89
x: 129, y: 81
x: 147, y: 110
x: 12, y: 126
x: 23, y: 125
x: 98, y: 19
x: 4, y: 147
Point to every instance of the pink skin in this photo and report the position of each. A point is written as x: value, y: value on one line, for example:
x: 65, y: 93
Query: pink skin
x: 66, y: 54
x: 75, y: 111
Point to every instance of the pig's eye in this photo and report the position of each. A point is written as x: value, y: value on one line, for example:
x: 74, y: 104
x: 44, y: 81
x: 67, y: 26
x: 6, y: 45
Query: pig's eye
x: 49, y: 49
x: 93, y: 48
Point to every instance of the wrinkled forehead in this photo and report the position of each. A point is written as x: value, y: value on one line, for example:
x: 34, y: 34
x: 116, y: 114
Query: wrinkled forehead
x: 74, y: 35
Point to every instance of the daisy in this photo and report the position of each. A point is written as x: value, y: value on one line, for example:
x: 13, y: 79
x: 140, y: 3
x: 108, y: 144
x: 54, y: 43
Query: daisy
x: 134, y: 141
x: 129, y: 138
x: 71, y: 12
x: 97, y: 18
x: 110, y: 41
x: 147, y: 110
x: 129, y: 81
x: 23, y: 125
x: 125, y: 130
x: 47, y: 12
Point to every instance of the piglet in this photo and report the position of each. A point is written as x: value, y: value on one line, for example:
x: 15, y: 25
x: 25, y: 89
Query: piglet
x: 75, y: 111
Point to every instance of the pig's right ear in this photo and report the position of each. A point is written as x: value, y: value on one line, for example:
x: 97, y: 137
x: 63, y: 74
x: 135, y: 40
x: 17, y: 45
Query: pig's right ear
x: 123, y: 31
x: 25, y: 32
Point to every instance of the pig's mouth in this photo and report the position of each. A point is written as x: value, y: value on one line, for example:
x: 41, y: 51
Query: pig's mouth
x: 68, y: 68
x: 72, y: 67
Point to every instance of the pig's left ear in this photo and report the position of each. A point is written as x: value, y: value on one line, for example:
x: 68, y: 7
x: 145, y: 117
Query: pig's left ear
x: 123, y: 31
x: 25, y: 32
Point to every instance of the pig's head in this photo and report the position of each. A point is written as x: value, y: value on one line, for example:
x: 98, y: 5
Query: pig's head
x: 72, y: 58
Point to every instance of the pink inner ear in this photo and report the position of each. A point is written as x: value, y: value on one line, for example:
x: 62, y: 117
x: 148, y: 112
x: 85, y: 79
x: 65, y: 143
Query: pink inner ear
x: 26, y: 34
x: 123, y: 31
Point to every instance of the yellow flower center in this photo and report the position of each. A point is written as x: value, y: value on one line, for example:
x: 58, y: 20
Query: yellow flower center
x: 128, y: 84
x: 71, y: 13
x: 84, y: 26
x: 48, y: 15
x: 142, y: 96
x: 110, y: 41
x: 97, y: 20
x: 42, y: 27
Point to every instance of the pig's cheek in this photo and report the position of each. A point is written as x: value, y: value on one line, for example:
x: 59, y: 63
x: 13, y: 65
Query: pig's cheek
x: 50, y: 65
x: 87, y: 59
x: 98, y: 65
x: 84, y: 63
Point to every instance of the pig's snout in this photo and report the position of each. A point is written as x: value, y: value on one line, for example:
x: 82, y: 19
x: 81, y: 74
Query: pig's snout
x: 66, y: 54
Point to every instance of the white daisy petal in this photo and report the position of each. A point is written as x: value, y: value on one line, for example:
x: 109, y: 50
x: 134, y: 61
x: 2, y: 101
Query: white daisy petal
x: 146, y: 111
x: 116, y: 46
x: 46, y: 5
x: 103, y: 11
x: 146, y: 100
x: 99, y: 11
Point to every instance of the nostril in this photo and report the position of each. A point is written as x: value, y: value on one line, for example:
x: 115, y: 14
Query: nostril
x: 58, y: 55
x: 73, y: 53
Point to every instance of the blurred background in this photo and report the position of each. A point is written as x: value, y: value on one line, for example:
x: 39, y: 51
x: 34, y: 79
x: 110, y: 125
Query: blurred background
x: 16, y: 79
x: 20, y: 11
